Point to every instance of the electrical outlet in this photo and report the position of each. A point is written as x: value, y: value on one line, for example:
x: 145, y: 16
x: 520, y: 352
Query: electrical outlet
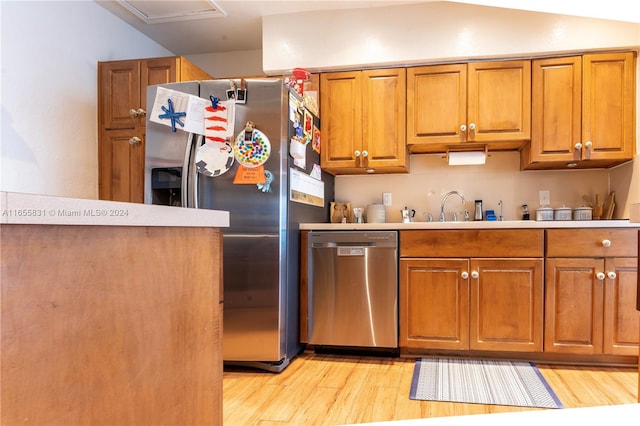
x: 545, y: 198
x: 386, y: 199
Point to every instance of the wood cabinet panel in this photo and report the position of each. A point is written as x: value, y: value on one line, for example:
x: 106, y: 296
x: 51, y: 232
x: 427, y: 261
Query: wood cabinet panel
x: 591, y: 243
x: 434, y: 304
x: 506, y: 309
x: 119, y: 92
x: 472, y: 243
x: 621, y: 319
x: 363, y: 121
x: 122, y: 166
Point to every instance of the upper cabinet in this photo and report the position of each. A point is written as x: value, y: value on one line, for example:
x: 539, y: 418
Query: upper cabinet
x: 484, y: 103
x: 122, y: 109
x: 583, y: 112
x: 363, y: 117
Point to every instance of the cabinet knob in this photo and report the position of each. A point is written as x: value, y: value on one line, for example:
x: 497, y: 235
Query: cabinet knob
x: 141, y: 112
x: 135, y: 140
x: 464, y: 275
x: 463, y: 128
x: 472, y: 126
x: 588, y: 144
x: 606, y: 243
x: 578, y: 146
x: 475, y: 274
x: 612, y: 275
x: 133, y: 112
x: 600, y: 276
x: 365, y: 153
x: 357, y: 153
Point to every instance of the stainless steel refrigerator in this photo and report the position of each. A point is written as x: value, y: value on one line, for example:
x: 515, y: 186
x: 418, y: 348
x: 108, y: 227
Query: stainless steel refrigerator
x: 261, y: 246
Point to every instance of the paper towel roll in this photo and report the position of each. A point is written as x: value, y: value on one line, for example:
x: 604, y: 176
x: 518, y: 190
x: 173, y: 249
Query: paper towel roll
x: 466, y: 158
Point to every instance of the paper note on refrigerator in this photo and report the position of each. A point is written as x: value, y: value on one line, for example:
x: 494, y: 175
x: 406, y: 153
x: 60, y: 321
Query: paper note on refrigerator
x: 191, y: 105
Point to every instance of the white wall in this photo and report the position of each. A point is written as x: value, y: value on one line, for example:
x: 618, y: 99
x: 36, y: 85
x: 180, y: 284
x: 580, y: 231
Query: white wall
x: 49, y: 61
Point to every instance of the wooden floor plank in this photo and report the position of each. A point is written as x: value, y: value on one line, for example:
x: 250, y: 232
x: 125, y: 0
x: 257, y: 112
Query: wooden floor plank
x: 324, y: 390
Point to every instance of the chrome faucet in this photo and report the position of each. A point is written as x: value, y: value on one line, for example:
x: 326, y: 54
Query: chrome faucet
x: 444, y: 200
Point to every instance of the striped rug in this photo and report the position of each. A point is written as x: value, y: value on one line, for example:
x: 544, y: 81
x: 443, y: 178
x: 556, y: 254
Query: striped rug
x: 481, y: 382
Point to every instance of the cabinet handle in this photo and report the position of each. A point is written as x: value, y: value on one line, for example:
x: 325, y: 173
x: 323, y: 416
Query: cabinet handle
x: 578, y: 146
x: 463, y: 128
x: 612, y: 275
x: 588, y: 144
x: 365, y: 153
x: 472, y: 126
x: 141, y: 112
x: 464, y: 275
x: 606, y: 243
x: 475, y: 274
x: 133, y: 112
x: 135, y: 140
x: 357, y: 153
x: 600, y: 276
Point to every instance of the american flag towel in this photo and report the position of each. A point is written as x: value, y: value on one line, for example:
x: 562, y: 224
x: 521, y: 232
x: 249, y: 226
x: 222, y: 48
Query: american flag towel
x: 481, y: 382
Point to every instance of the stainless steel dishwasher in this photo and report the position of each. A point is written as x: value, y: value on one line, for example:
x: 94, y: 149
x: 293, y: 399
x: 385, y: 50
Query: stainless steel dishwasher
x: 353, y: 288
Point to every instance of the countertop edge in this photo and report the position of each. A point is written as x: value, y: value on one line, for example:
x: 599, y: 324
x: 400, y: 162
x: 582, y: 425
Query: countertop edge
x: 515, y: 224
x: 34, y: 209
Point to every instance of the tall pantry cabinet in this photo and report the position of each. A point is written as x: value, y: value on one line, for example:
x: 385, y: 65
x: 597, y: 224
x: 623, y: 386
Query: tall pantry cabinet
x: 122, y: 109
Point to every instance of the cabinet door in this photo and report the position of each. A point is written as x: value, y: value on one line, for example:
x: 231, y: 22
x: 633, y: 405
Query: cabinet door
x: 573, y: 306
x: 122, y: 166
x: 341, y: 112
x: 156, y: 71
x: 506, y: 305
x: 556, y: 109
x: 434, y: 304
x: 384, y: 118
x: 499, y: 101
x: 621, y: 319
x: 119, y: 93
x: 437, y: 104
x: 608, y: 93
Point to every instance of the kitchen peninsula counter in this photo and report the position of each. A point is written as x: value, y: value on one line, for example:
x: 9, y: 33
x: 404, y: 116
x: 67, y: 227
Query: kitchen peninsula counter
x: 111, y: 312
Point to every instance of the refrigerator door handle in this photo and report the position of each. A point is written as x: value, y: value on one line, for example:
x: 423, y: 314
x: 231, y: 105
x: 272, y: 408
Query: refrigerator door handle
x: 189, y: 172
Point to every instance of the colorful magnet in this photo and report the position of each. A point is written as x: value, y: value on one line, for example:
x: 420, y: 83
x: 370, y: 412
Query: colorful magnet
x: 252, y: 147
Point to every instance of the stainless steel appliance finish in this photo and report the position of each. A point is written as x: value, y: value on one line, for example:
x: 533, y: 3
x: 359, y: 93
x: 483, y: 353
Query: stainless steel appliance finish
x: 353, y: 287
x: 261, y: 246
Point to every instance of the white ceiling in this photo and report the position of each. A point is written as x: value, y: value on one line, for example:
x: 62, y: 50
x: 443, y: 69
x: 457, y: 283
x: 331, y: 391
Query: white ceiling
x: 241, y: 28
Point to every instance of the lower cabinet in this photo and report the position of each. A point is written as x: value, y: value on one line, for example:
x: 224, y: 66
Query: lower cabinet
x: 493, y: 303
x: 590, y: 306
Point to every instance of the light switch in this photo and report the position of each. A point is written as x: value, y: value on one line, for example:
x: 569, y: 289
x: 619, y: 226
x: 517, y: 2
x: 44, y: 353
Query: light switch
x: 386, y: 199
x: 545, y: 198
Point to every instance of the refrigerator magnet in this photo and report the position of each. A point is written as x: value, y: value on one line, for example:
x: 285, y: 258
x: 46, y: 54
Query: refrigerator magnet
x: 214, y: 158
x: 249, y: 175
x: 252, y: 149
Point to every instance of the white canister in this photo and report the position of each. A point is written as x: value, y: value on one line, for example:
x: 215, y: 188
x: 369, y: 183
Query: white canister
x: 544, y: 213
x: 376, y: 213
x: 582, y: 213
x: 562, y: 213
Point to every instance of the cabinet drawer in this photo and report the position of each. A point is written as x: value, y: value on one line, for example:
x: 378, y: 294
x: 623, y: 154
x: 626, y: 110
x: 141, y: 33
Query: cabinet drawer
x: 472, y: 243
x: 592, y: 242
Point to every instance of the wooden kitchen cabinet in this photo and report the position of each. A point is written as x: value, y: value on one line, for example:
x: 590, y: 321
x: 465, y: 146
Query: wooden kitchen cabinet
x: 459, y: 105
x: 122, y: 109
x: 591, y: 277
x: 363, y: 121
x: 582, y: 112
x: 453, y: 300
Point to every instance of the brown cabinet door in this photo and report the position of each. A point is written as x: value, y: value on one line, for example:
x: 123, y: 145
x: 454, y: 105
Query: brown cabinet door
x: 573, y: 306
x: 156, y: 71
x: 119, y: 93
x: 434, y: 304
x: 437, y: 104
x: 122, y: 166
x: 341, y: 112
x: 499, y: 101
x: 621, y: 319
x: 608, y: 93
x: 506, y: 305
x: 384, y: 118
x: 556, y: 109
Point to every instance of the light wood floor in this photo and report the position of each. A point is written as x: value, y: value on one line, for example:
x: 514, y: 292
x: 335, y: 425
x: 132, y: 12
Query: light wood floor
x: 335, y: 389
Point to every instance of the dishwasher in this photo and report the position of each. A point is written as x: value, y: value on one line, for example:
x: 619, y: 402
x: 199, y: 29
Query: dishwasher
x: 353, y: 288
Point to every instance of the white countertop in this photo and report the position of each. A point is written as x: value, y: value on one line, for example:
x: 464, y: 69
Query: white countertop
x: 19, y: 208
x: 508, y: 224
